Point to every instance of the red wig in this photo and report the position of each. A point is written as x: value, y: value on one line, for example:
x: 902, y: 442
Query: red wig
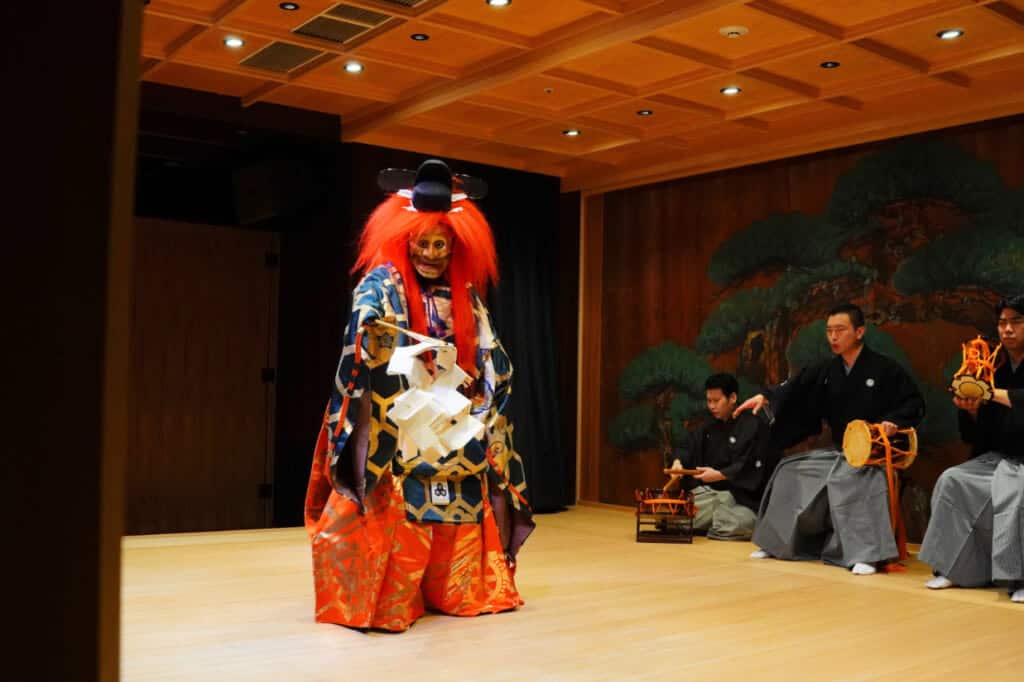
x: 474, y: 262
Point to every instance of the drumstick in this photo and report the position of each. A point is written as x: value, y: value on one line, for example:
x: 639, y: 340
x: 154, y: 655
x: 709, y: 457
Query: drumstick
x: 681, y: 472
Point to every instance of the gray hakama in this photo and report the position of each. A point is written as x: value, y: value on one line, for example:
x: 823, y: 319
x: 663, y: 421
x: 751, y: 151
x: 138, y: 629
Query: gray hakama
x: 818, y: 506
x: 976, y: 532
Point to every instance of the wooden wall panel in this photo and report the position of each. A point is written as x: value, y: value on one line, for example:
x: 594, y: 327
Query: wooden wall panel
x: 66, y: 292
x: 655, y: 243
x: 590, y: 436
x: 204, y: 327
x: 566, y: 311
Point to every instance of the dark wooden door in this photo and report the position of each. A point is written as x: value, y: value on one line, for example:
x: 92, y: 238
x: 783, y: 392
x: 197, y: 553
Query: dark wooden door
x: 202, y: 408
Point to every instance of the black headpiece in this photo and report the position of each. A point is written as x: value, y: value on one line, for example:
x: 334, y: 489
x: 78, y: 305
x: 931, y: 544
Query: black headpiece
x: 432, y: 187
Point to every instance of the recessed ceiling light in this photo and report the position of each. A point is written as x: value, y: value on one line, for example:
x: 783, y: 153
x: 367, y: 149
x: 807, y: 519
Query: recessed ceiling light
x: 234, y: 42
x: 548, y: 91
x: 353, y: 67
x: 734, y: 31
x: 644, y: 112
x: 572, y: 132
x: 950, y: 33
x: 829, y: 65
x: 420, y: 36
x: 499, y: 3
x: 289, y: 6
x: 731, y: 90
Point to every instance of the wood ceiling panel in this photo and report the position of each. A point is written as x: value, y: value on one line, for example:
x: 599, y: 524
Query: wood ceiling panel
x: 984, y: 30
x: 485, y: 120
x: 268, y: 13
x: 631, y: 64
x: 754, y: 93
x: 726, y: 137
x: 662, y: 116
x: 810, y: 111
x: 445, y: 47
x: 208, y: 80
x: 924, y: 88
x: 1014, y: 65
x: 158, y: 33
x: 443, y: 146
x: 766, y: 32
x: 209, y: 47
x: 847, y: 13
x: 377, y: 81
x: 549, y: 137
x: 318, y: 100
x: 810, y: 116
x: 576, y: 167
x: 500, y: 85
x: 531, y: 19
x: 997, y: 79
x: 208, y: 7
x: 930, y: 96
x: 418, y: 139
x: 636, y: 153
x: 533, y: 90
x: 531, y: 156
x: 856, y: 66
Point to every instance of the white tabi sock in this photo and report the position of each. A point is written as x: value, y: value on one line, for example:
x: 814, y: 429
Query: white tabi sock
x: 1018, y: 595
x: 939, y: 582
x: 860, y: 568
x: 760, y: 554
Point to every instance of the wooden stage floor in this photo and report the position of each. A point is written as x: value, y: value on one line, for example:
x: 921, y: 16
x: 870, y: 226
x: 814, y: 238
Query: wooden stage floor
x: 238, y: 606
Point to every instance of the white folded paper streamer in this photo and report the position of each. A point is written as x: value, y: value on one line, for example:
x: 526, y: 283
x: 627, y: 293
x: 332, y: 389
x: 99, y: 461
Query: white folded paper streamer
x: 433, y: 418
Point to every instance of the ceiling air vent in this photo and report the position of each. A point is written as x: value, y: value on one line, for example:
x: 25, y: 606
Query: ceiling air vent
x: 335, y: 30
x: 403, y: 3
x: 281, y: 57
x: 357, y: 15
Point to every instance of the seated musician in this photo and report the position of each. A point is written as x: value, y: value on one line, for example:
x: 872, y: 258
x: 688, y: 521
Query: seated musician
x: 976, y: 533
x: 817, y: 506
x: 729, y: 455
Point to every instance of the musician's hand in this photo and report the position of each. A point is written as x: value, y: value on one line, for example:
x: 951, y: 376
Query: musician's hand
x: 709, y: 475
x: 1002, y: 397
x: 754, y: 404
x: 888, y: 428
x: 968, y: 405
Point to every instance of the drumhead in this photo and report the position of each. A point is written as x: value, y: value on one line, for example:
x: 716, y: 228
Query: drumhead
x: 968, y: 387
x: 857, y: 443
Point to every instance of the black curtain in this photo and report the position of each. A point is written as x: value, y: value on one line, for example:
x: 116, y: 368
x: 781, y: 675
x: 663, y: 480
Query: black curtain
x: 524, y: 212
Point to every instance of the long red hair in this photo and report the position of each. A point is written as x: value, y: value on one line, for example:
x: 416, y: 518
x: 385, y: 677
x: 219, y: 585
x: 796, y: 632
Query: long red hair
x: 474, y: 261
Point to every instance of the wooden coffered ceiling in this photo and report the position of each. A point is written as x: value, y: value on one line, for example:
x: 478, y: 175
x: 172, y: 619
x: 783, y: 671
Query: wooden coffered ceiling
x: 501, y: 85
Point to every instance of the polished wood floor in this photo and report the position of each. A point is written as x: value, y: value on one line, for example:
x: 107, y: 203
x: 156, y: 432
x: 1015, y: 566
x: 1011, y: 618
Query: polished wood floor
x: 238, y: 606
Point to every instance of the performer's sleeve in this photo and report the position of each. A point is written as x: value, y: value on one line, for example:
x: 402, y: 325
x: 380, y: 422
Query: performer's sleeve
x: 750, y: 442
x: 971, y: 431
x: 906, y: 404
x: 351, y: 378
x: 690, y: 456
x: 795, y: 392
x: 797, y: 407
x: 1013, y: 419
x: 1017, y: 400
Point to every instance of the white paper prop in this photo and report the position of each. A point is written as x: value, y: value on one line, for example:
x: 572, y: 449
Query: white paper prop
x: 433, y: 418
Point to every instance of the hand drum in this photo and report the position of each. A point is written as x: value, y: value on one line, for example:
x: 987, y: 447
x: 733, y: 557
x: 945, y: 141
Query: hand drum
x: 974, y: 378
x: 864, y: 444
